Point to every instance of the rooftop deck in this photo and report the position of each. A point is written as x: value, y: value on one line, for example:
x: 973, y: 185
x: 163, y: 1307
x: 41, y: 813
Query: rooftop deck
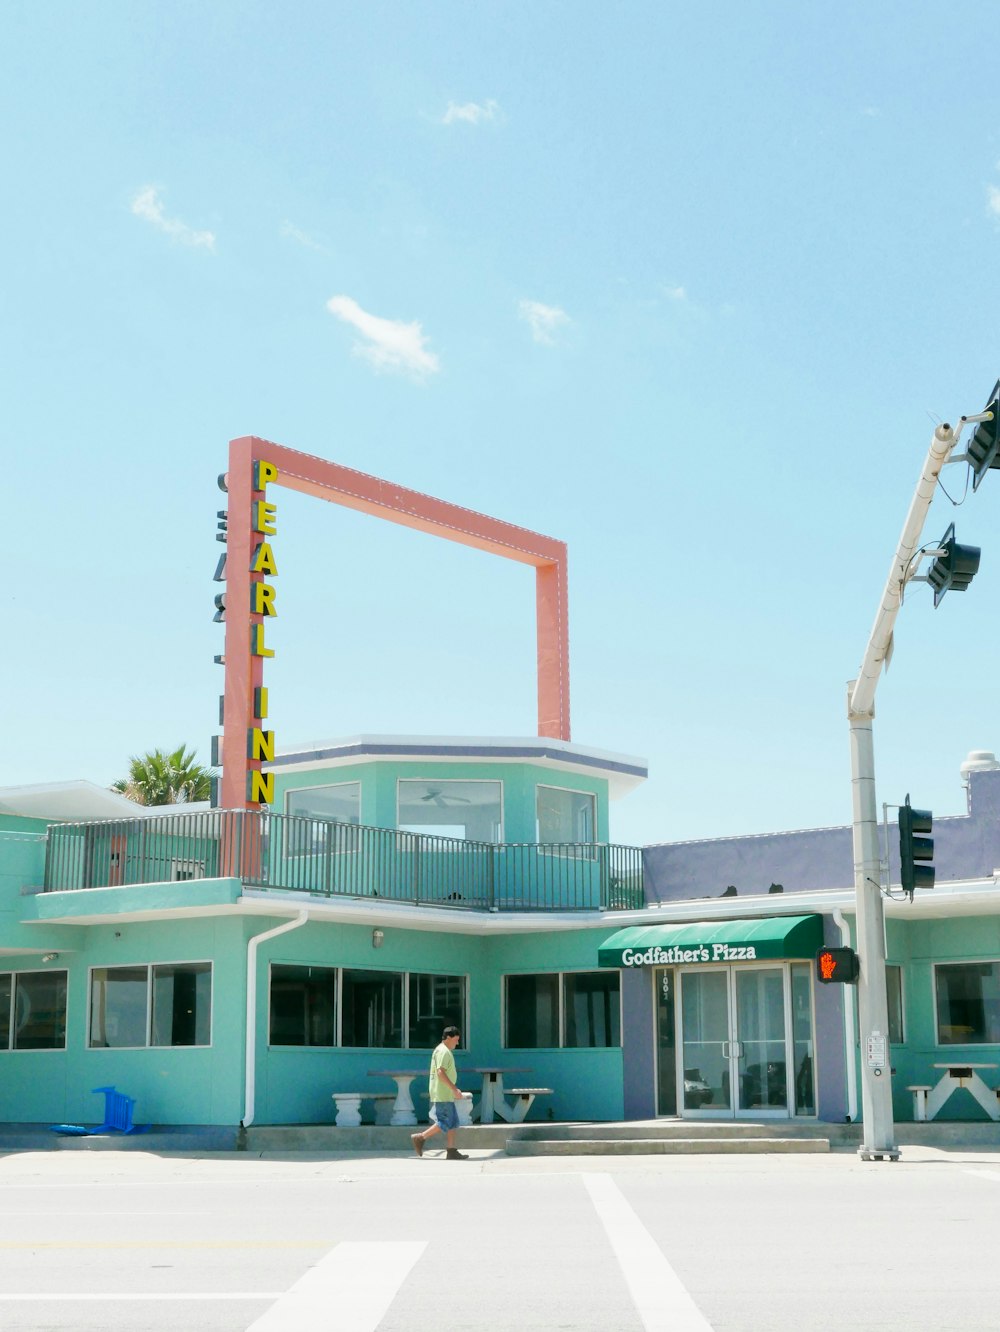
x: 330, y: 859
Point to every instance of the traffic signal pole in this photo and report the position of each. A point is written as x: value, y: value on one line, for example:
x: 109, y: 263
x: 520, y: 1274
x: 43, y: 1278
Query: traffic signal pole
x: 876, y: 1082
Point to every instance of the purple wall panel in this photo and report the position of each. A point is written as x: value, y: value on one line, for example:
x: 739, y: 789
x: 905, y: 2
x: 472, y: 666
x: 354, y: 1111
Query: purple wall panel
x: 966, y: 846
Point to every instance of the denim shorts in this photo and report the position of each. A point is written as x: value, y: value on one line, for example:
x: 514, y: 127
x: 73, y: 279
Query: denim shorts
x: 445, y: 1115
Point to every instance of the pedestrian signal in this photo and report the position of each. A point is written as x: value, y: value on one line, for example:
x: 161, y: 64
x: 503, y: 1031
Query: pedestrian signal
x: 837, y: 966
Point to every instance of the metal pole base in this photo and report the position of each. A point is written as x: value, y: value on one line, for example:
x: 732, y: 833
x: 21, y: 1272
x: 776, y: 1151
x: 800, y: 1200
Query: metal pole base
x: 873, y: 1154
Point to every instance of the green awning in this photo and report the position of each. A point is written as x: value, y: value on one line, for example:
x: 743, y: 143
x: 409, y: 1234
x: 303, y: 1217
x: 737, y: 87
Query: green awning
x: 723, y: 941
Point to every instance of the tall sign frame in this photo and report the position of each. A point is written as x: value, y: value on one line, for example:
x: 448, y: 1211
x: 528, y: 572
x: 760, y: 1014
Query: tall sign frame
x: 250, y: 520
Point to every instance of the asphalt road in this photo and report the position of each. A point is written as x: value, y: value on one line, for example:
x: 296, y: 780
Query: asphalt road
x: 293, y: 1243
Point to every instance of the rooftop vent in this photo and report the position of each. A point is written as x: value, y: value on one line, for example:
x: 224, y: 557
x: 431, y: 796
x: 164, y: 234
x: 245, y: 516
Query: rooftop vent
x: 978, y: 760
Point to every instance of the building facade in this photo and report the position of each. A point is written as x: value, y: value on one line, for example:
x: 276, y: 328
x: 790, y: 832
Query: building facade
x: 228, y: 967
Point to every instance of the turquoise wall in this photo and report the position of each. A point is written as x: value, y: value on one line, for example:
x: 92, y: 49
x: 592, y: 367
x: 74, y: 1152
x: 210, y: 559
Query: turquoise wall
x: 295, y: 1085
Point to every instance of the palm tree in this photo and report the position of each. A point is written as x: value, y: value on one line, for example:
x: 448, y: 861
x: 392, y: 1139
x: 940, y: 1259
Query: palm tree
x: 156, y: 778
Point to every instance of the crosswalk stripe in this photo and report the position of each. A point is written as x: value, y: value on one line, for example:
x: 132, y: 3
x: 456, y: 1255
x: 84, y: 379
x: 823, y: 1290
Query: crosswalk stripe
x: 348, y: 1290
x: 660, y: 1297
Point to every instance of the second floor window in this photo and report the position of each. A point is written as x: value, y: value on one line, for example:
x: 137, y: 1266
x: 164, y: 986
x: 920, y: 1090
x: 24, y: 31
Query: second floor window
x: 565, y: 816
x: 472, y: 811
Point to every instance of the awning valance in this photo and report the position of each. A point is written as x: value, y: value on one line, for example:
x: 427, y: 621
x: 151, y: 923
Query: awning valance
x: 722, y: 941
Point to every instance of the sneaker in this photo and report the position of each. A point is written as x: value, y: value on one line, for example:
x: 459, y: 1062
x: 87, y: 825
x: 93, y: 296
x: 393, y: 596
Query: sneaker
x: 418, y: 1143
x: 454, y: 1155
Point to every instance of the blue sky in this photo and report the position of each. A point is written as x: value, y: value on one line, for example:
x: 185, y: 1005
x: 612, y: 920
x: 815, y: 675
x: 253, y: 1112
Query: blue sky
x: 684, y: 286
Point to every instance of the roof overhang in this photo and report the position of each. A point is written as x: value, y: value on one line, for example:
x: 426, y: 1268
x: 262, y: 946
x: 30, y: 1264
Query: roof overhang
x: 67, y: 802
x: 622, y: 772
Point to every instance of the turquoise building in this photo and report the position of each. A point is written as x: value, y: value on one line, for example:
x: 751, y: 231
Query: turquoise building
x: 239, y: 967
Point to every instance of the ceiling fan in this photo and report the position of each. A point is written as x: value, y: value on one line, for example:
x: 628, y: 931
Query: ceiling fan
x: 439, y: 798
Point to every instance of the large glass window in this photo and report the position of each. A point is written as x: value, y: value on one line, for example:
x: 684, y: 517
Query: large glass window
x: 33, y: 1010
x: 182, y: 1004
x: 574, y: 1009
x: 592, y: 1008
x: 372, y: 1003
x: 169, y: 1004
x: 565, y: 816
x: 317, y: 807
x: 303, y: 1005
x: 968, y: 1003
x: 531, y: 1012
x: 436, y: 1002
x: 472, y: 811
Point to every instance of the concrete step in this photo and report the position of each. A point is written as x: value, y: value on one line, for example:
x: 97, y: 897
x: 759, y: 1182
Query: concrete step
x: 665, y: 1146
x: 661, y: 1128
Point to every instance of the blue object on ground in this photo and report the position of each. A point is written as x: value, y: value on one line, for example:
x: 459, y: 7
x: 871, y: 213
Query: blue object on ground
x: 72, y: 1130
x: 117, y: 1113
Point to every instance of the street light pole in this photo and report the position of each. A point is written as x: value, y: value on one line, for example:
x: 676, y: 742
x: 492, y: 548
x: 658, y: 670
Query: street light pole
x: 876, y: 1083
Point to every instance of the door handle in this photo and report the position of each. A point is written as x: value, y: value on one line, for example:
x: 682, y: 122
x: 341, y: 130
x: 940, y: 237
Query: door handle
x: 727, y: 1050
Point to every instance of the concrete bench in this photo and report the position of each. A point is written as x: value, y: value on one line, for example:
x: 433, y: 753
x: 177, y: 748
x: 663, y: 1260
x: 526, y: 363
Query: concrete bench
x: 920, y: 1094
x: 349, y: 1107
x: 525, y: 1099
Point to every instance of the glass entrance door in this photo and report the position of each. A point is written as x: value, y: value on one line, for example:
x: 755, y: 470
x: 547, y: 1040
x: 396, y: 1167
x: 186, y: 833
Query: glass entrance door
x: 706, y: 1043
x: 734, y: 1042
x: 762, y: 1064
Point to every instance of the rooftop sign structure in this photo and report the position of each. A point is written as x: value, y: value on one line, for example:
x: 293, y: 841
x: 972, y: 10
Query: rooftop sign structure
x: 249, y: 599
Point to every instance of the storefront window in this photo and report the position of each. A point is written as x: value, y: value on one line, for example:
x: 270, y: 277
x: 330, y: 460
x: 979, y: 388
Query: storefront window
x: 968, y: 1003
x: 182, y: 1004
x: 436, y: 1002
x: 471, y: 811
x: 373, y: 1009
x: 592, y: 1008
x: 574, y: 1009
x: 565, y: 816
x: 531, y: 1012
x: 303, y: 1006
x: 168, y: 1004
x: 33, y: 1010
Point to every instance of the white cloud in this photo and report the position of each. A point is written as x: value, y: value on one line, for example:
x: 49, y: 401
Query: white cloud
x: 993, y: 200
x: 301, y: 237
x: 148, y: 205
x: 543, y: 320
x: 470, y: 112
x: 675, y: 293
x: 388, y: 344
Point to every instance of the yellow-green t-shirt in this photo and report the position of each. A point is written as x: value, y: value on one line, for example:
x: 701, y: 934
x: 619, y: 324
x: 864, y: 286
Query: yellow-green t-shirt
x: 442, y: 1059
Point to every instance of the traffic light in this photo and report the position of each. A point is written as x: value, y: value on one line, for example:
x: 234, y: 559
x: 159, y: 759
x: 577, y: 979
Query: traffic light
x: 984, y: 447
x: 837, y: 966
x: 954, y: 567
x: 915, y: 847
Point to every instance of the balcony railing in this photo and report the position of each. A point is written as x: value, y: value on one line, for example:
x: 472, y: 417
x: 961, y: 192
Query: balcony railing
x: 330, y: 859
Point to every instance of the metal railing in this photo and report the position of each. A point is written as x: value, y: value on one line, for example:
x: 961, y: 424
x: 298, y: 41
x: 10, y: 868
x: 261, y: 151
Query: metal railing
x: 330, y: 859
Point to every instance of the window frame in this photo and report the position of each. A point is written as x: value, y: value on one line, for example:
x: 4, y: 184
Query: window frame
x: 11, y: 1047
x: 959, y: 962
x: 338, y: 1035
x: 466, y: 781
x: 148, y: 967
x: 322, y: 845
x: 560, y: 848
x: 561, y: 974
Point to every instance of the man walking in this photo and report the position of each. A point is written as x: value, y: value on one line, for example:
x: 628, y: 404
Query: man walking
x: 443, y: 1092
